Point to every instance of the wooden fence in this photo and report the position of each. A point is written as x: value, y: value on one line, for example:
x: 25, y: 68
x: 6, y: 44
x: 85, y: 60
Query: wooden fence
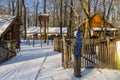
x: 58, y: 44
x: 96, y: 53
x: 99, y: 54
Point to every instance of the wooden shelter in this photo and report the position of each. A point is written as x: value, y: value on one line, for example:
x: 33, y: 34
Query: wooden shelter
x: 44, y: 17
x: 9, y: 36
x: 97, y: 25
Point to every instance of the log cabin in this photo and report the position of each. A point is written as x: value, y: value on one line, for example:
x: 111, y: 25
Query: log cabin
x: 97, y: 25
x: 9, y: 36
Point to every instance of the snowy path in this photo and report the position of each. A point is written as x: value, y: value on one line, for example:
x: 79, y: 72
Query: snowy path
x: 35, y: 63
x: 28, y: 64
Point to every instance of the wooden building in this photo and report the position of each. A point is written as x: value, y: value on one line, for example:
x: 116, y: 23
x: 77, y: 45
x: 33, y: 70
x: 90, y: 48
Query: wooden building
x: 97, y: 25
x: 9, y: 36
x: 52, y: 32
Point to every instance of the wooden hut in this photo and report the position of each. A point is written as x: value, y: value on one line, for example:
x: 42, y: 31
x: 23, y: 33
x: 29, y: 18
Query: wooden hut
x: 9, y: 36
x: 97, y: 25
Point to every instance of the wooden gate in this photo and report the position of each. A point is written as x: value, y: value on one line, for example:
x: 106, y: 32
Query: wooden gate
x: 99, y: 54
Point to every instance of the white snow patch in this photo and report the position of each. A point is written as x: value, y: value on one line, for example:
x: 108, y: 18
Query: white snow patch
x: 35, y: 63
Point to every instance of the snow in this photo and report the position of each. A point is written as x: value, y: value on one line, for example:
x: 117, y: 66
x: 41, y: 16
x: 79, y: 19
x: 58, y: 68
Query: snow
x: 43, y: 14
x: 108, y: 29
x: 56, y: 30
x: 36, y: 63
x: 5, y: 21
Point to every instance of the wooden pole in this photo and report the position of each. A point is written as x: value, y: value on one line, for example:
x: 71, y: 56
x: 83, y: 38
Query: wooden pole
x: 77, y: 66
x: 47, y: 32
x: 40, y: 34
x: 65, y: 56
x: 33, y: 40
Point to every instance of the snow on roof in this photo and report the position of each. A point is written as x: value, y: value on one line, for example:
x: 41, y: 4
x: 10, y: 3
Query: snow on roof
x: 44, y: 14
x: 107, y: 29
x: 56, y: 30
x: 5, y: 20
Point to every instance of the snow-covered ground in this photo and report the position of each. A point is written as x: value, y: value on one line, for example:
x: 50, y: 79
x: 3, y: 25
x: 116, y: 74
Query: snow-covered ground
x: 36, y: 63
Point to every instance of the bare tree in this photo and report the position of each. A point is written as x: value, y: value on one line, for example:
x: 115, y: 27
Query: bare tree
x: 61, y: 4
x: 36, y: 5
x: 70, y: 28
x: 20, y: 8
x: 17, y: 4
x: 13, y: 7
x: 8, y: 7
x: 87, y: 20
x: 23, y: 3
x: 45, y: 34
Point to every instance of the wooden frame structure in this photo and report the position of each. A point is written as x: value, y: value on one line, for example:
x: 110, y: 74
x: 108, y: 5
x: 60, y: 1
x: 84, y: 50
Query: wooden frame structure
x: 44, y: 17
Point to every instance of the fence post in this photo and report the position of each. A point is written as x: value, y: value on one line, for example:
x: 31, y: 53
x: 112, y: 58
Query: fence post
x: 108, y: 51
x: 65, y: 56
x: 77, y: 66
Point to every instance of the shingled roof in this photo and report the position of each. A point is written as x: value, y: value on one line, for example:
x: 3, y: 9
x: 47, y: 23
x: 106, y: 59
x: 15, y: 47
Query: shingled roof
x: 6, y: 21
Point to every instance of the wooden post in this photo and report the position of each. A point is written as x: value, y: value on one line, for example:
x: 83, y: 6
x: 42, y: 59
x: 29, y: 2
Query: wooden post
x: 65, y: 56
x: 40, y: 34
x: 108, y: 51
x: 77, y: 66
x: 47, y: 37
x: 33, y: 39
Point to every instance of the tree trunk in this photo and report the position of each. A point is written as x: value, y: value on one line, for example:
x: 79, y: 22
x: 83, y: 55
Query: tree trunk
x: 61, y: 3
x: 95, y: 5
x: 24, y: 17
x: 45, y: 25
x: 17, y: 4
x: 104, y: 25
x: 65, y: 14
x: 113, y: 14
x: 71, y: 22
x: 13, y: 7
x: 86, y: 28
x: 20, y: 8
x: 36, y: 21
x: 54, y: 17
x: 87, y: 25
x: 9, y: 7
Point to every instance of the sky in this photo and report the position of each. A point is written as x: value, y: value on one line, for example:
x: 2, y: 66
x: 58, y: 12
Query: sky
x: 28, y: 3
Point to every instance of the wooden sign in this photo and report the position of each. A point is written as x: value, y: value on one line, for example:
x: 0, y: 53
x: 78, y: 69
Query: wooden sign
x: 43, y: 17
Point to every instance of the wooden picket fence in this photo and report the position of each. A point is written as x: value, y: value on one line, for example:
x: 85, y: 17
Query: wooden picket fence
x: 96, y: 53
